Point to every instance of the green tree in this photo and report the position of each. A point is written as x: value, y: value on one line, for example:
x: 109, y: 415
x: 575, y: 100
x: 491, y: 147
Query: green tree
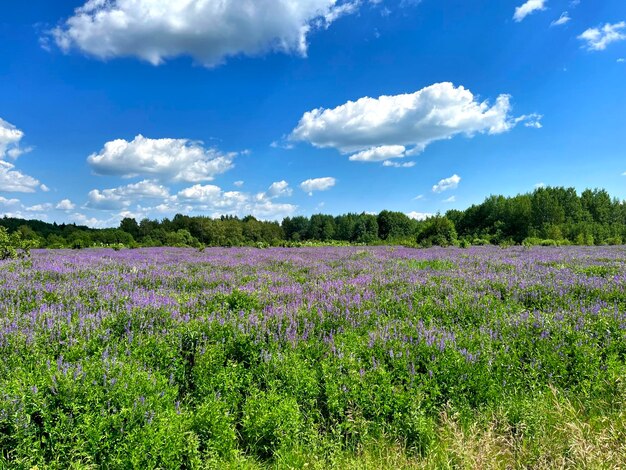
x: 366, y: 229
x: 438, y: 230
x: 394, y: 225
x: 130, y: 225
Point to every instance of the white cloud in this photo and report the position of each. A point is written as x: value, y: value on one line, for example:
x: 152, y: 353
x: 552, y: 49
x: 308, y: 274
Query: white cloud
x: 10, y: 137
x: 596, y: 39
x: 162, y: 159
x: 211, y: 195
x: 211, y: 199
x: 281, y: 145
x: 125, y: 196
x: 317, y: 184
x: 17, y: 215
x: 621, y: 60
x: 14, y: 181
x: 527, y: 8
x: 419, y: 215
x: 531, y: 120
x: 238, y: 184
x: 418, y: 197
x: 447, y: 183
x: 40, y: 207
x: 82, y: 219
x: 4, y: 202
x: 391, y: 164
x: 207, y: 30
x: 540, y: 185
x: 377, y: 128
x: 450, y: 199
x: 279, y: 189
x: 65, y: 205
x: 379, y: 154
x: 268, y: 210
x: 563, y: 19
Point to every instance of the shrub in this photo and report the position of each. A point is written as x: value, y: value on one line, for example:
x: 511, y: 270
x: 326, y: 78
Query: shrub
x: 270, y: 422
x: 614, y: 241
x: 13, y: 246
x: 438, y: 231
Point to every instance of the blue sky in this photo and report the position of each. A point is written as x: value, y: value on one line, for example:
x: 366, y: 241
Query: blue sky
x: 146, y: 108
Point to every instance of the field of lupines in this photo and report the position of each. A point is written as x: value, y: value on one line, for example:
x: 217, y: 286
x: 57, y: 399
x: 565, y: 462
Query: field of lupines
x: 346, y: 357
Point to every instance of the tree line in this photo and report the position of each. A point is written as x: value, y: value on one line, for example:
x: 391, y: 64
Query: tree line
x: 547, y: 216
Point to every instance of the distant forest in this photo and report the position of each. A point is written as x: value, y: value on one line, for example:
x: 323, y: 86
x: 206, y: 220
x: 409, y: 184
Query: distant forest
x: 547, y: 216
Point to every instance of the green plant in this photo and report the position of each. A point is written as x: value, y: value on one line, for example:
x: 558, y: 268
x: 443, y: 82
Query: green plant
x: 14, y: 246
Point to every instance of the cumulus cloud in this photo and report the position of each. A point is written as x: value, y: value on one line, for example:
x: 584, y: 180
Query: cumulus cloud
x: 419, y: 215
x: 10, y: 137
x: 40, y: 207
x: 211, y: 195
x: 65, y: 205
x: 563, y: 19
x: 125, y: 196
x: 14, y: 181
x: 213, y: 200
x: 279, y: 189
x: 147, y: 197
x: 379, y: 154
x: 206, y: 30
x: 82, y: 219
x: 162, y: 159
x: 377, y: 129
x: 597, y: 39
x: 528, y: 8
x: 317, y: 184
x: 4, y: 202
x: 447, y: 183
x: 269, y: 210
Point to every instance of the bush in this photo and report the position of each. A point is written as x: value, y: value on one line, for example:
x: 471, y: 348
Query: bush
x: 438, y: 231
x: 270, y: 422
x: 464, y: 243
x: 13, y: 246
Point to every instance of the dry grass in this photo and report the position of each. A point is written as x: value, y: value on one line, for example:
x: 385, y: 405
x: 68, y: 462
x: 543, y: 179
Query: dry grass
x: 565, y: 439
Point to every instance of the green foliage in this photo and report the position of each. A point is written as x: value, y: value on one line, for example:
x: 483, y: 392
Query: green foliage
x: 14, y: 246
x: 271, y: 421
x: 437, y: 230
x: 354, y: 358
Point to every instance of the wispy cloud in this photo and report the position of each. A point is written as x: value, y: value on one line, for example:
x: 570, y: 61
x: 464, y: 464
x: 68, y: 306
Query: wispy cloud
x: 597, y: 39
x: 447, y: 183
x: 563, y: 19
x: 528, y: 8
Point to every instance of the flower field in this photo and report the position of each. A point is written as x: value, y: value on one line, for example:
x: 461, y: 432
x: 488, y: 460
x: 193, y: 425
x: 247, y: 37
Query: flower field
x: 318, y: 357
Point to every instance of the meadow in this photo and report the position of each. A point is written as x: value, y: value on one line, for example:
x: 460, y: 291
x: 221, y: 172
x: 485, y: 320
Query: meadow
x: 328, y: 357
